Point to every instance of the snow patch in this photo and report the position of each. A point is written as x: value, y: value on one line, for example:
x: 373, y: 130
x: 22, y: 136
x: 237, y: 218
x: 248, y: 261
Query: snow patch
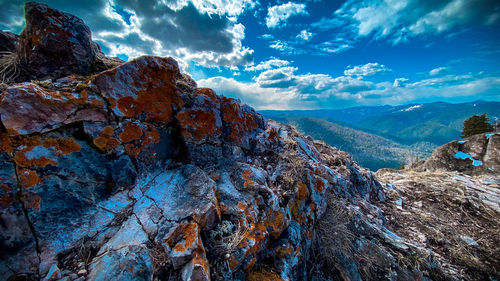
x: 412, y: 107
x: 461, y: 155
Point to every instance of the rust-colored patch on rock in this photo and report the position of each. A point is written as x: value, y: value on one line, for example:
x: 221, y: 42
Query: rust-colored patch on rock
x: 183, y: 237
x: 239, y: 122
x: 62, y: 146
x: 302, y: 191
x: 131, y: 132
x: 276, y: 223
x: 247, y: 176
x: 320, y: 185
x: 197, y: 124
x: 31, y: 200
x: 149, y: 135
x: 27, y: 178
x: 6, y: 143
x: 263, y: 276
x: 41, y: 162
x: 207, y: 92
x: 152, y: 95
x: 105, y: 141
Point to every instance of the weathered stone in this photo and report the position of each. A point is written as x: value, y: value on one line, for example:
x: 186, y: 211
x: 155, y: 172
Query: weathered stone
x: 54, y: 43
x: 27, y: 108
x: 143, y: 88
x: 475, y: 155
x: 9, y: 42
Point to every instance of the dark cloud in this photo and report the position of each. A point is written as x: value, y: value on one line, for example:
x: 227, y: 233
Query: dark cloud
x: 174, y: 27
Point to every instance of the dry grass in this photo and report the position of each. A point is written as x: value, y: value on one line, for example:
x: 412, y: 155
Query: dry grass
x: 161, y: 262
x: 333, y: 239
x: 9, y: 67
x: 229, y: 244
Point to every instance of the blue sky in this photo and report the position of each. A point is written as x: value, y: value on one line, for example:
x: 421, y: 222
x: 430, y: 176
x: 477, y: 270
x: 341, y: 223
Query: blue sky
x: 307, y: 54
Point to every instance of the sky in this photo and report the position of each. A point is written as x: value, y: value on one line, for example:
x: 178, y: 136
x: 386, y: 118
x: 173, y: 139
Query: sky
x: 315, y: 54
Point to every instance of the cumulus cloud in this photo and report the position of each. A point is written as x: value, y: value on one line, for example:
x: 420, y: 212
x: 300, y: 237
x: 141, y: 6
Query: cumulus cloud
x: 251, y: 93
x: 400, y: 82
x: 439, y: 71
x: 204, y: 31
x: 398, y: 21
x: 265, y: 65
x: 305, y: 35
x: 368, y: 69
x: 283, y: 88
x: 278, y: 15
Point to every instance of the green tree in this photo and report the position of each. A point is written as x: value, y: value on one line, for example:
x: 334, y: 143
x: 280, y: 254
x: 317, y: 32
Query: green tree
x: 476, y: 124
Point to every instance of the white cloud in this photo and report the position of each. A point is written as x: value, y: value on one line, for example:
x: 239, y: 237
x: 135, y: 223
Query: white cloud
x: 400, y: 82
x: 398, y: 21
x: 265, y: 65
x: 277, y: 15
x: 251, y: 93
x: 439, y: 71
x: 282, y: 77
x: 282, y: 88
x: 305, y: 35
x: 366, y: 70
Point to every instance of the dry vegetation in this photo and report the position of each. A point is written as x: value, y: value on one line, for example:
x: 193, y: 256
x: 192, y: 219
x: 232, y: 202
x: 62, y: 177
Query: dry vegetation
x: 453, y: 215
x: 9, y: 67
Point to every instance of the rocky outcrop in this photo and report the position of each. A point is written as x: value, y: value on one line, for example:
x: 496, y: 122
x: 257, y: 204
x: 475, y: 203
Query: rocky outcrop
x: 479, y: 154
x: 53, y: 44
x: 135, y: 173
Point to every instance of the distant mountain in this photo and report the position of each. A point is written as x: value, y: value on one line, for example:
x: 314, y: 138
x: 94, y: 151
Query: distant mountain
x: 369, y: 150
x: 382, y: 136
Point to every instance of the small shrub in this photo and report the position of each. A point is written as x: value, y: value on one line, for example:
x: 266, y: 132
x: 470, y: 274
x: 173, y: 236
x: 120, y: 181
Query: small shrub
x: 9, y: 66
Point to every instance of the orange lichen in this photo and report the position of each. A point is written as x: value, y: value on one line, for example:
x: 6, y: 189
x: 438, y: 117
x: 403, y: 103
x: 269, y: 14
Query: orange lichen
x: 23, y: 161
x: 302, y: 191
x: 247, y: 176
x: 263, y: 276
x: 27, y: 178
x: 276, y: 223
x: 273, y: 134
x: 233, y: 263
x: 198, y: 124
x: 183, y: 237
x: 282, y: 252
x: 5, y: 143
x: 251, y: 263
x: 31, y: 200
x: 105, y: 141
x: 131, y: 132
x: 207, y: 92
x: 200, y: 260
x: 320, y: 185
x: 155, y: 101
x: 149, y: 135
x: 62, y: 146
x: 240, y: 123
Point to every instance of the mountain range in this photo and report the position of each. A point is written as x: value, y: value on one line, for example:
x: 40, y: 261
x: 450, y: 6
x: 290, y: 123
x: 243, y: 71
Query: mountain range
x: 387, y: 136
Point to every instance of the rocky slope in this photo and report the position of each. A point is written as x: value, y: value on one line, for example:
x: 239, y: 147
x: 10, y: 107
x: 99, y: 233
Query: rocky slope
x: 450, y: 204
x: 129, y: 171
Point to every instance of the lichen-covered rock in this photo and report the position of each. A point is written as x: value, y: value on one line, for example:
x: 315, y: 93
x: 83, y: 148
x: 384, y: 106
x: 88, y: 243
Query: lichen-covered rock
x: 134, y: 173
x: 55, y: 43
x: 478, y: 154
x: 27, y: 108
